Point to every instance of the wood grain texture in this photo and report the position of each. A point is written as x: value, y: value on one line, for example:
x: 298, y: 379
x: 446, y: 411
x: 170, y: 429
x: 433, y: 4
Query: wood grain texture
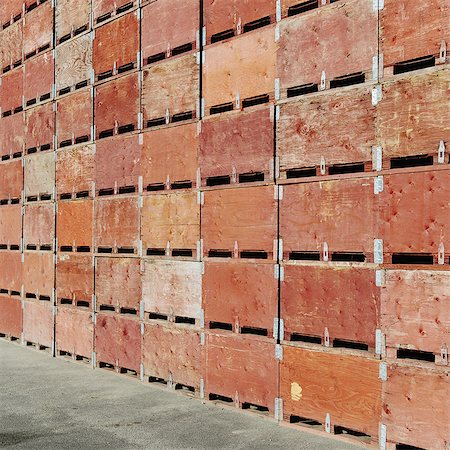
x: 12, y: 134
x: 415, y: 407
x: 10, y: 9
x: 244, y: 67
x: 75, y: 223
x: 11, y: 275
x: 70, y: 15
x: 38, y: 323
x: 173, y: 288
x: 10, y: 224
x: 11, y: 179
x: 39, y: 224
x: 313, y: 37
x: 39, y: 174
x: 38, y: 76
x: 39, y: 126
x: 238, y: 143
x: 73, y: 62
x: 38, y: 273
x: 345, y: 386
x: 171, y: 85
x: 75, y: 277
x: 11, y: 44
x: 38, y: 28
x: 336, y: 126
x: 342, y: 299
x: 11, y: 316
x: 11, y: 89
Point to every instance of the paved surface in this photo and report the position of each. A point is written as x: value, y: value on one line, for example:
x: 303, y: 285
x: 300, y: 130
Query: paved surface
x: 48, y: 403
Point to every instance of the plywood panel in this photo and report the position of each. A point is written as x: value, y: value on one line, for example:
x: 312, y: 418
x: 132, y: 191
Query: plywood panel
x: 75, y: 223
x: 11, y: 316
x: 38, y: 78
x: 38, y: 273
x: 38, y: 29
x: 11, y: 179
x: 12, y: 271
x: 12, y: 137
x: 40, y: 126
x: 10, y: 224
x: 11, y: 90
x: 71, y: 16
x: 39, y: 174
x: 39, y: 224
x: 38, y: 323
x: 11, y: 44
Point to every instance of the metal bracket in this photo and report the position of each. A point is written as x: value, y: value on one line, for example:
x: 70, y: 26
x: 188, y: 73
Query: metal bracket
x: 277, y: 113
x: 328, y: 423
x: 380, y: 278
x: 279, y: 352
x: 441, y: 254
x: 325, y: 251
x: 278, y: 13
x: 378, y: 185
x: 377, y: 95
x: 202, y: 388
x: 277, y: 89
x: 326, y: 337
x: 94, y: 359
x: 443, y: 52
x: 323, y: 81
x: 278, y: 409
x: 378, y: 5
x: 278, y: 326
x: 378, y: 251
x: 278, y: 272
x: 377, y: 158
x: 383, y: 436
x: 202, y: 338
x: 441, y: 152
x: 142, y: 329
x: 238, y: 101
x: 202, y: 318
x: 383, y: 372
x: 141, y: 310
x: 444, y: 354
x: 141, y: 372
x: 375, y: 68
x: 323, y: 166
x: 379, y: 342
x: 200, y: 198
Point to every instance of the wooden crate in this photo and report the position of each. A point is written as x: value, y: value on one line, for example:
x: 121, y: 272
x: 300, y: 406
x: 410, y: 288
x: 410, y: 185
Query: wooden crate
x: 241, y: 296
x: 314, y: 384
x: 116, y: 224
x: 75, y: 279
x: 40, y: 128
x: 71, y: 18
x: 39, y: 226
x: 11, y: 91
x: 73, y: 63
x: 170, y: 222
x: 38, y: 78
x: 237, y: 70
x: 75, y: 225
x: 38, y: 323
x: 39, y: 174
x: 241, y: 221
x: 75, y: 118
x: 237, y: 146
x: 117, y: 106
x: 75, y: 170
x: 10, y: 225
x: 74, y: 332
x: 11, y: 46
x: 11, y: 275
x: 118, y: 342
x: 329, y: 219
x: 10, y: 10
x: 11, y: 316
x: 116, y: 46
x: 339, y: 303
x: 168, y: 29
x: 118, y: 283
x: 406, y: 36
x: 38, y: 275
x: 415, y: 407
x: 118, y: 164
x: 225, y: 18
x: 12, y: 135
x: 242, y: 370
x: 313, y: 37
x: 11, y: 180
x: 170, y: 156
x: 105, y: 9
x: 327, y: 130
x: 38, y: 30
x: 172, y: 290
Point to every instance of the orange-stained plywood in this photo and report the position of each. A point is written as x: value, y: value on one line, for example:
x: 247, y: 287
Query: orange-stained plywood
x: 38, y: 29
x: 39, y: 224
x: 173, y: 288
x: 11, y: 316
x: 38, y: 78
x: 314, y: 384
x: 339, y: 40
x: 11, y: 90
x: 12, y: 271
x: 75, y: 223
x: 11, y: 40
x: 237, y: 144
x: 241, y: 293
x: 342, y: 299
x: 10, y: 224
x: 40, y: 126
x: 118, y: 282
x: 415, y: 407
x: 71, y: 16
x: 118, y: 341
x: 12, y: 134
x: 38, y: 273
x: 11, y: 179
x: 103, y: 9
x: 39, y: 174
x: 38, y: 323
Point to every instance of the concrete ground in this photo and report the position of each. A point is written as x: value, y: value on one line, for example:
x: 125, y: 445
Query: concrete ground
x: 48, y: 403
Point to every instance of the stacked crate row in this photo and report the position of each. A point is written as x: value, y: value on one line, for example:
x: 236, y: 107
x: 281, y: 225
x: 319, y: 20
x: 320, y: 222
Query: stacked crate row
x: 244, y: 200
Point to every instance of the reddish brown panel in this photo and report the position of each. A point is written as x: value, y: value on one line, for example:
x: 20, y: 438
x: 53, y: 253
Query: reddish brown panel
x: 242, y: 219
x: 11, y: 41
x: 118, y: 282
x: 340, y: 213
x: 71, y: 17
x: 12, y: 136
x: 170, y: 87
x: 241, y: 293
x: 38, y: 78
x: 75, y: 224
x: 413, y: 116
x: 170, y: 221
x: 173, y: 288
x: 240, y: 68
x: 75, y: 278
x: 11, y: 179
x: 10, y: 9
x: 166, y: 27
x: 116, y: 44
x: 38, y: 323
x: 242, y: 368
x: 38, y: 29
x: 118, y: 341
x: 414, y: 309
x: 39, y: 174
x: 73, y: 65
x: 103, y: 9
x: 38, y: 273
x: 74, y: 118
x: 40, y: 126
x: 117, y: 105
x: 235, y: 15
x: 11, y: 90
x: 74, y: 332
x: 10, y: 224
x: 39, y: 224
x: 11, y: 316
x: 237, y: 143
x: 341, y: 299
x: 404, y: 33
x: 347, y: 387
x: 170, y: 154
x: 313, y: 37
x: 75, y: 169
x: 12, y: 270
x: 425, y: 216
x: 335, y: 127
x: 118, y: 162
x: 116, y: 223
x: 415, y: 407
x: 173, y: 354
